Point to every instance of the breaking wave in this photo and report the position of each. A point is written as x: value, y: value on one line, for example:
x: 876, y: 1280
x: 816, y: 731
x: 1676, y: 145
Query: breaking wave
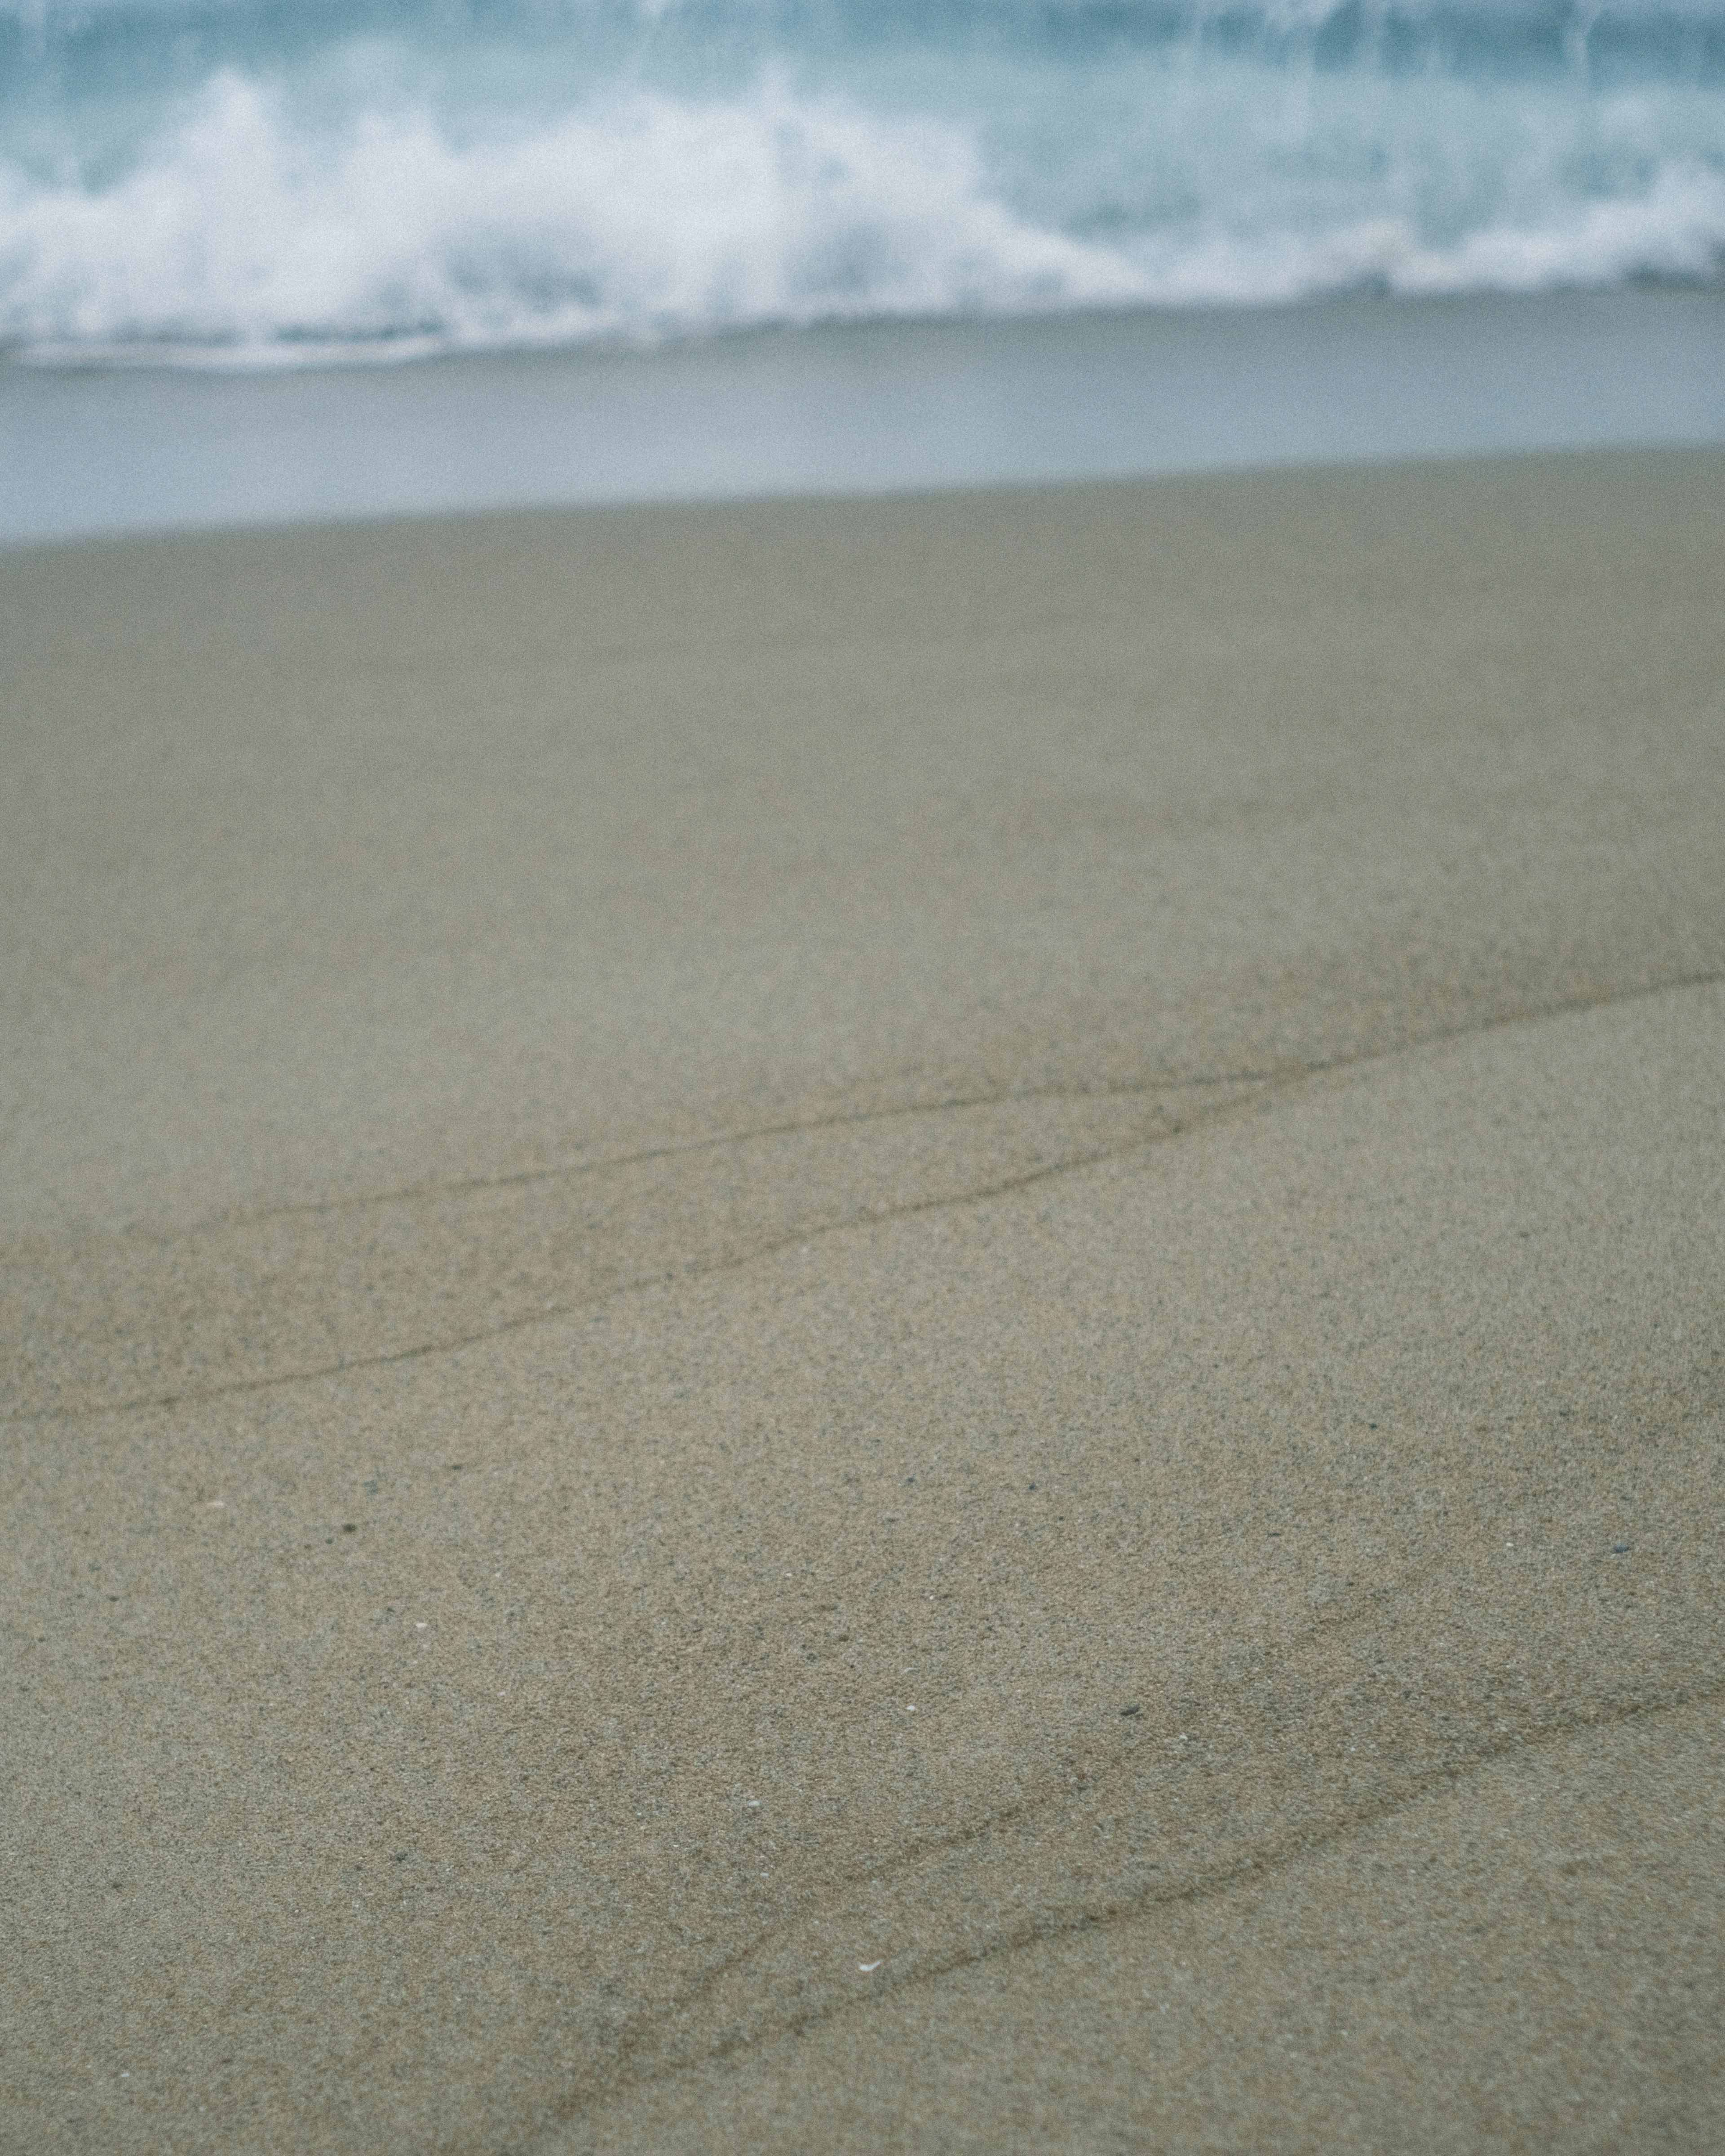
x: 387, y: 190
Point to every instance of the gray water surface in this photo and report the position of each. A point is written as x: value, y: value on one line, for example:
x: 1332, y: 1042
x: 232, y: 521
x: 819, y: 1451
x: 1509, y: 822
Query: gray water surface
x: 872, y: 408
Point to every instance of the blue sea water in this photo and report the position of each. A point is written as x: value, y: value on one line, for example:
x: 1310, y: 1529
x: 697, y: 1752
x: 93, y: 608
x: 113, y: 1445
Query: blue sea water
x: 652, y: 249
x: 258, y: 183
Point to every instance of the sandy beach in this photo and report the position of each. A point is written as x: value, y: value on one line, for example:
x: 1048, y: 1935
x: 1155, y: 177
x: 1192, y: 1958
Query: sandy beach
x: 879, y: 1325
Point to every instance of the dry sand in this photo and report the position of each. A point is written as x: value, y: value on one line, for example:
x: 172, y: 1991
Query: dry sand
x: 876, y: 1325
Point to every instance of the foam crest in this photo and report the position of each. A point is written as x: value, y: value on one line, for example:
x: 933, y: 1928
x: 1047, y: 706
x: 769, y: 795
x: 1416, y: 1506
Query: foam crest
x: 253, y: 231
x: 652, y: 215
x: 1675, y: 230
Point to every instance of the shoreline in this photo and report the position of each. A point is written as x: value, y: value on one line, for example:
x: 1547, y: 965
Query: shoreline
x: 859, y: 409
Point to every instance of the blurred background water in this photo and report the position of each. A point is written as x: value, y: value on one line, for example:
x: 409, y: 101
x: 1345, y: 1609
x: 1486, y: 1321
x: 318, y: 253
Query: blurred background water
x: 268, y: 185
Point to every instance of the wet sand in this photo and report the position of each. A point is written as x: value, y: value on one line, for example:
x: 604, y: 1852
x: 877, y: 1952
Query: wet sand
x: 861, y: 408
x: 875, y: 1325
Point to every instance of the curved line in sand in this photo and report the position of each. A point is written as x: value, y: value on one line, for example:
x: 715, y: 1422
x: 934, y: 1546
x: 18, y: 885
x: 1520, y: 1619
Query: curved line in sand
x: 1121, y: 1909
x: 1267, y: 1084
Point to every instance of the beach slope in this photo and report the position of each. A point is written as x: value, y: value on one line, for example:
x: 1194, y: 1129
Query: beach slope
x: 881, y: 1325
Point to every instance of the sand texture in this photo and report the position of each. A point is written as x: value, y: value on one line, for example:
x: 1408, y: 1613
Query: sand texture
x: 879, y: 1326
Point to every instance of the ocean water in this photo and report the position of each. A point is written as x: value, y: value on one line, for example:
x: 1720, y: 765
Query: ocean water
x: 263, y: 259
x: 262, y: 183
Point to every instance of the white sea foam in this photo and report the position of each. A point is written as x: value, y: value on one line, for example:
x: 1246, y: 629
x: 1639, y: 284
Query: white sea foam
x: 1673, y: 229
x: 650, y: 215
x: 251, y: 228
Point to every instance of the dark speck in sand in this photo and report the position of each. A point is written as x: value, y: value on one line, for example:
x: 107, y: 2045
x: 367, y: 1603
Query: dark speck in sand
x: 1619, y: 1549
x: 1131, y: 1709
x: 350, y: 1528
x: 401, y: 1856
